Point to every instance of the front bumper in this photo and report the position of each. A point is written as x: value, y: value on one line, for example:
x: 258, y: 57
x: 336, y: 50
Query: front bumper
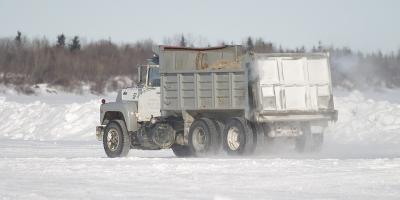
x: 99, y: 132
x: 271, y: 116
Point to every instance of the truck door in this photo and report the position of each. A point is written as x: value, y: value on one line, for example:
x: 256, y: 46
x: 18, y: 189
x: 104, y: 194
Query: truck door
x: 149, y: 100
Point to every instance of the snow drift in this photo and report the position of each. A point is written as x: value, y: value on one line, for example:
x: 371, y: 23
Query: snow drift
x: 43, y: 121
x: 362, y: 120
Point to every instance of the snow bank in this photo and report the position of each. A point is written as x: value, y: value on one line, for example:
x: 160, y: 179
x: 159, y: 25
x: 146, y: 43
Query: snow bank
x: 43, y: 121
x: 362, y: 120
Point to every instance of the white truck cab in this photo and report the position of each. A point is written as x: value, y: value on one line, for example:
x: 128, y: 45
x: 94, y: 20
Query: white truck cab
x: 146, y: 94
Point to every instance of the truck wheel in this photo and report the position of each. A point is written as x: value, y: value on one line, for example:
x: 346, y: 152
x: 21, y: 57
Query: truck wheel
x: 318, y: 141
x: 238, y: 137
x: 181, y: 150
x: 255, y: 131
x: 220, y: 130
x: 116, y: 141
x: 203, y: 137
x: 309, y: 142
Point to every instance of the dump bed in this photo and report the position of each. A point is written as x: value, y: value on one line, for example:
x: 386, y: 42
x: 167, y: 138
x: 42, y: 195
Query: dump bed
x: 202, y: 79
x: 266, y: 87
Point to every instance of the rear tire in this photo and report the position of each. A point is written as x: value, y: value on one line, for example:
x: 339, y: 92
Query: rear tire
x: 309, y: 142
x: 238, y: 137
x: 203, y: 137
x: 318, y: 142
x: 116, y: 141
x: 220, y: 131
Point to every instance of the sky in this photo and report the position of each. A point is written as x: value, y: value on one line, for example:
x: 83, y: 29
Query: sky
x: 365, y: 25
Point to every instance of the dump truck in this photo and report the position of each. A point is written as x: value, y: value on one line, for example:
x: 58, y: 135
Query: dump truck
x: 205, y: 101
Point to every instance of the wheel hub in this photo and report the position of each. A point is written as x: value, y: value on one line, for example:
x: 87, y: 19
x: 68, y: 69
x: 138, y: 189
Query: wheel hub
x: 112, y: 139
x: 233, y: 138
x: 199, y: 139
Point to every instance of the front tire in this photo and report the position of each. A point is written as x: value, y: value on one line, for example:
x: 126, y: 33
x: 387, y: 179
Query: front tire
x: 116, y: 141
x: 238, y: 137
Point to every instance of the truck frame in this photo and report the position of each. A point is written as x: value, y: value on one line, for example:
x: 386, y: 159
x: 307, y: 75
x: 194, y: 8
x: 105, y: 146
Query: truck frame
x: 199, y: 101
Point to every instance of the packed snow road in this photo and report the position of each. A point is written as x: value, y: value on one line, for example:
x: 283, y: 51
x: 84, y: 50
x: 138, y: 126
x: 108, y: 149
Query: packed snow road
x: 80, y: 170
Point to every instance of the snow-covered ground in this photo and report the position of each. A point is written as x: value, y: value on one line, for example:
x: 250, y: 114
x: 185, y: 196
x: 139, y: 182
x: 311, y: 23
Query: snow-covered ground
x: 48, y: 151
x: 76, y: 170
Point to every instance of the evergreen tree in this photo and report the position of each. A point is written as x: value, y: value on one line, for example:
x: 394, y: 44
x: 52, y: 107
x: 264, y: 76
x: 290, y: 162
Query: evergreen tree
x: 18, y: 38
x: 398, y: 56
x: 61, y: 41
x: 183, y: 42
x: 75, y: 45
x: 314, y: 49
x: 320, y: 47
x: 249, y: 44
x: 280, y: 49
x: 302, y: 49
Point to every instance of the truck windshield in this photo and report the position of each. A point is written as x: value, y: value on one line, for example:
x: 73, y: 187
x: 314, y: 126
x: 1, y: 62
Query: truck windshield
x: 154, y: 77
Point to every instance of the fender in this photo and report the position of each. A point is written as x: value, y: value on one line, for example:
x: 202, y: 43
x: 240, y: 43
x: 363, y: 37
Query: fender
x: 125, y: 110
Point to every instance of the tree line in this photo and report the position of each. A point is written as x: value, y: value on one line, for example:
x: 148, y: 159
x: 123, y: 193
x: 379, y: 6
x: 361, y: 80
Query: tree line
x: 70, y: 64
x: 25, y: 62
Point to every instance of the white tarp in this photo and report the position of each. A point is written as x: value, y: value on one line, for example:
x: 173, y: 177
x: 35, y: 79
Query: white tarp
x: 299, y: 83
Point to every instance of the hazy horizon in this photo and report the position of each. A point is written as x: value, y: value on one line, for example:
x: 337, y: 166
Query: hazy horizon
x: 361, y: 25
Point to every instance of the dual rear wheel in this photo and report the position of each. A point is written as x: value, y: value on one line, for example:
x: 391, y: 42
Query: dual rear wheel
x: 239, y: 137
x: 204, y: 137
x: 207, y: 136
